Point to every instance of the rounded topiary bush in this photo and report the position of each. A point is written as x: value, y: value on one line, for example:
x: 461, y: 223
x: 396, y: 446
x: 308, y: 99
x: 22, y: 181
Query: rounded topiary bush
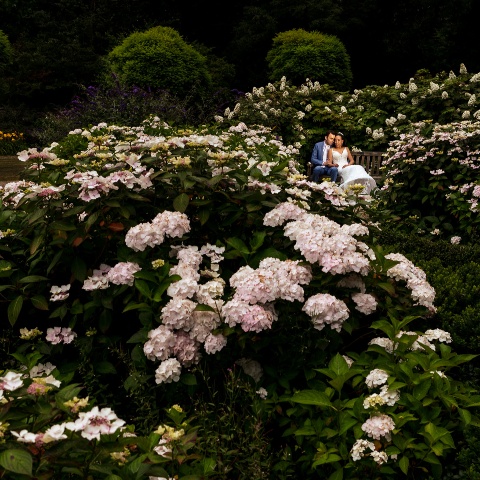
x: 298, y: 55
x: 159, y: 58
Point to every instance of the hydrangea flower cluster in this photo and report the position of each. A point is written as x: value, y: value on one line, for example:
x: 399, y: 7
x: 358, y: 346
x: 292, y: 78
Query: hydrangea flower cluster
x: 59, y: 293
x: 415, y: 279
x: 257, y: 289
x: 176, y: 342
x: 58, y: 335
x: 323, y: 241
x: 170, y: 224
x: 379, y: 426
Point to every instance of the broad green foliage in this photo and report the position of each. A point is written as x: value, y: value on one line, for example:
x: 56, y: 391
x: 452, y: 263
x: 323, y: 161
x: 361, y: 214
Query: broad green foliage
x: 431, y: 179
x: 298, y: 55
x: 160, y: 58
x: 155, y: 265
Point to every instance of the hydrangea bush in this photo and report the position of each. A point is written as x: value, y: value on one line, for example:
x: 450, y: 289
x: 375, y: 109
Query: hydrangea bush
x: 370, y: 117
x: 431, y: 179
x: 139, y: 258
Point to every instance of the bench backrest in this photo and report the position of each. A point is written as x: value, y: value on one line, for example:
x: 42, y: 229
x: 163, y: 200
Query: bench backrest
x: 371, y: 161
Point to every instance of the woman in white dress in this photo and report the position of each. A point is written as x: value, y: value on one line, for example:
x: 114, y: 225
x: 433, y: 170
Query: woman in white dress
x: 350, y: 174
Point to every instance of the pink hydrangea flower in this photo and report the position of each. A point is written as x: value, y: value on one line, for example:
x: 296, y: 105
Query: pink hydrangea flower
x: 57, y: 335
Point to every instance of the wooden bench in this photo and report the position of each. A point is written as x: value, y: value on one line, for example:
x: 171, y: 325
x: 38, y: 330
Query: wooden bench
x: 370, y: 161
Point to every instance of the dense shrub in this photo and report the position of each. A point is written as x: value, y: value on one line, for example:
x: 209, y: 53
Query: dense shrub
x: 297, y: 55
x: 141, y: 255
x: 159, y: 58
x: 370, y: 117
x: 431, y: 178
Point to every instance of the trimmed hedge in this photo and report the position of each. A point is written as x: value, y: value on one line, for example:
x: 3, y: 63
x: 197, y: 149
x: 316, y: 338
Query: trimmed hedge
x: 298, y: 54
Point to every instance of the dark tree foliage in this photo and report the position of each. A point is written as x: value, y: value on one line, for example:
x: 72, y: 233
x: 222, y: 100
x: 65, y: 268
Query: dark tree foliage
x: 61, y: 44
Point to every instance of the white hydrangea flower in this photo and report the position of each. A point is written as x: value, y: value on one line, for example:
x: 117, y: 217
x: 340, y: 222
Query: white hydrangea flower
x: 376, y: 378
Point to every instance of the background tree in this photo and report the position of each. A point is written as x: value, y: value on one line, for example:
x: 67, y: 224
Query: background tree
x: 159, y: 58
x: 298, y: 55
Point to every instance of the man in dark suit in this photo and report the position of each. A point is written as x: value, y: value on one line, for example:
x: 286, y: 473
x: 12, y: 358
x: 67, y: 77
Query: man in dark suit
x: 319, y: 159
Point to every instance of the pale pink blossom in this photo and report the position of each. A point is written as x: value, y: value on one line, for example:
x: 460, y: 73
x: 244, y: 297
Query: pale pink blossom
x: 177, y: 313
x: 359, y: 447
x: 325, y: 309
x: 252, y: 318
x: 11, y: 381
x: 57, y: 335
x: 281, y: 213
x: 376, y: 378
x: 365, y: 303
x: 214, y: 343
x: 99, y: 280
x: 383, y: 342
x: 186, y: 349
x: 123, y: 273
x: 160, y: 343
x: 379, y: 426
x: 96, y: 422
x: 437, y: 334
x: 59, y: 293
x: 168, y: 371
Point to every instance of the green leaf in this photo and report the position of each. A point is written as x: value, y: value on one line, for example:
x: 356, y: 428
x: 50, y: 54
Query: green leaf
x: 338, y: 365
x: 328, y: 458
x: 135, y: 306
x: 257, y: 241
x: 17, y: 461
x: 140, y: 337
x: 39, y: 302
x: 388, y: 287
x: 204, y: 308
x: 203, y: 215
x: 238, y: 245
x: 32, y: 279
x: 91, y: 219
x: 336, y: 475
x: 422, y: 389
x: 188, y: 379
x: 311, y: 397
x: 63, y: 226
x: 346, y: 421
x: 180, y: 203
x: 79, y: 269
x: 14, y: 308
x: 403, y: 464
x: 105, y: 367
x: 36, y: 243
x: 306, y: 431
x: 465, y: 415
x: 143, y: 288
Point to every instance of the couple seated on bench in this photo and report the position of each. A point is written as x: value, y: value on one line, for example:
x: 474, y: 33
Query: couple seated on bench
x: 333, y: 158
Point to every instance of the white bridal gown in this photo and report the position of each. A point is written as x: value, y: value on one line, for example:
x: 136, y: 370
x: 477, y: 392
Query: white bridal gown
x: 352, y: 174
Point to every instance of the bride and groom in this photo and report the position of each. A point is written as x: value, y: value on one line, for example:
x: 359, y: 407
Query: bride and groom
x: 333, y: 158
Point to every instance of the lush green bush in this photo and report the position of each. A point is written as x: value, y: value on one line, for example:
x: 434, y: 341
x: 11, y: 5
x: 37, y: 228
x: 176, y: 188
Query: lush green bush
x: 135, y: 256
x: 159, y: 58
x: 431, y: 179
x: 297, y: 55
x: 370, y: 118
